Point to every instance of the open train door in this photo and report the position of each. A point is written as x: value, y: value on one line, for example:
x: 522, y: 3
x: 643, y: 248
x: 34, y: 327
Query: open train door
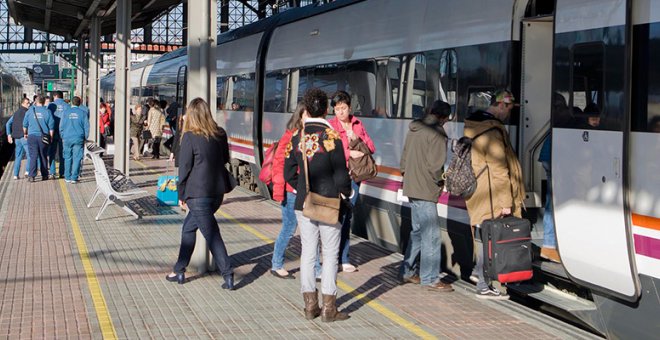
x: 592, y: 52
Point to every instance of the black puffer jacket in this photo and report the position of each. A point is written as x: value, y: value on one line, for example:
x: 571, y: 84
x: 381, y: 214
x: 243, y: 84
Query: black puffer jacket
x: 328, y: 175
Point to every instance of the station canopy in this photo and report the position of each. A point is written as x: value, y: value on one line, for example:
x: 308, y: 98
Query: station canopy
x: 71, y: 18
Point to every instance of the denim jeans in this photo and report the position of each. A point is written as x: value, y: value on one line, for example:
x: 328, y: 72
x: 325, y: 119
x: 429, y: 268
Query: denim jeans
x: 289, y: 224
x: 310, y: 231
x: 56, y: 148
x: 20, y: 149
x: 201, y: 217
x: 73, y: 155
x: 549, y: 237
x: 425, y: 242
x: 482, y: 284
x: 345, y: 242
x: 38, y: 156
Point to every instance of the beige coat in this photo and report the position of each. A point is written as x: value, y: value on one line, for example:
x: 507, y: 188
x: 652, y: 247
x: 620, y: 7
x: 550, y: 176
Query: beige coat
x: 155, y: 122
x: 493, y: 150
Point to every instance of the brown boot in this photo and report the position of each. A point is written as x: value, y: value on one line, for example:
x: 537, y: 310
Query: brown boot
x: 312, y: 309
x: 329, y: 311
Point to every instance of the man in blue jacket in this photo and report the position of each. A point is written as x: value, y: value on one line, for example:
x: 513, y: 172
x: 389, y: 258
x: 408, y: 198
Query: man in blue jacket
x: 15, y: 135
x: 74, y: 129
x: 57, y: 107
x: 37, y: 122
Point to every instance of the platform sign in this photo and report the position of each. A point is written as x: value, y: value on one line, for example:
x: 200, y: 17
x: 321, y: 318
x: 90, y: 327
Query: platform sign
x: 45, y: 71
x: 66, y: 73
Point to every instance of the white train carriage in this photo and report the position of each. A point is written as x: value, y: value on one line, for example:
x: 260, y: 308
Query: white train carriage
x: 396, y: 57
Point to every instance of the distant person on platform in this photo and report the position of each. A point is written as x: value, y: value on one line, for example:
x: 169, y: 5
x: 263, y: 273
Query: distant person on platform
x: 74, y: 130
x: 15, y: 135
x: 55, y: 149
x: 104, y: 125
x: 36, y: 123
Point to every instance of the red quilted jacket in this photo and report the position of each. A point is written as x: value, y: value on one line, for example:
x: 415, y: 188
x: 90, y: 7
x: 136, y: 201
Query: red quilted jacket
x: 280, y: 187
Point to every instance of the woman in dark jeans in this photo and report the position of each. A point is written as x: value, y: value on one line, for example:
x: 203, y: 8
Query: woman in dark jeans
x: 202, y: 156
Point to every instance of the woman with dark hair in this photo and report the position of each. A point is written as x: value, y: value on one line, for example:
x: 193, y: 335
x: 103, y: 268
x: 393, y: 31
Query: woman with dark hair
x: 286, y: 194
x: 202, y: 182
x: 323, y: 152
x: 349, y: 128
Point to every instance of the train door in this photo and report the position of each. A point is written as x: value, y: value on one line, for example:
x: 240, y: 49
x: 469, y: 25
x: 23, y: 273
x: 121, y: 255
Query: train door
x: 535, y: 102
x: 589, y: 145
x: 181, y: 84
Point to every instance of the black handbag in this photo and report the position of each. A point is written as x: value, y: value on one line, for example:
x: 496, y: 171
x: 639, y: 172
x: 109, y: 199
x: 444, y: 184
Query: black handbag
x: 146, y: 135
x: 45, y: 138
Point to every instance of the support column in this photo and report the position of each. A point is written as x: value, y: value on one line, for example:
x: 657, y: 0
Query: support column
x: 202, y: 33
x: 122, y: 85
x: 94, y: 61
x: 80, y: 70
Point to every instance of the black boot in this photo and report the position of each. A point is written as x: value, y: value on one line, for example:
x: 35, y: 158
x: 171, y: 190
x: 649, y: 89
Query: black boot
x: 312, y: 309
x: 229, y: 282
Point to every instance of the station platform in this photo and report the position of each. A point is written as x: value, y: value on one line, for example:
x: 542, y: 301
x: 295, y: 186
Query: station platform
x: 65, y: 275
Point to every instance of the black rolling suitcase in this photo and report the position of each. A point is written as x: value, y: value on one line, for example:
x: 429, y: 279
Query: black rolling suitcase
x: 507, y: 249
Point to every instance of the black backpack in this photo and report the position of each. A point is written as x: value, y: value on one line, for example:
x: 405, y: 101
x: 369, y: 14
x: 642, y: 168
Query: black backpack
x: 459, y: 177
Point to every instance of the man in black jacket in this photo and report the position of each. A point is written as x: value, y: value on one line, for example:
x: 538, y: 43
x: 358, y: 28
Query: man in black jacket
x: 15, y: 135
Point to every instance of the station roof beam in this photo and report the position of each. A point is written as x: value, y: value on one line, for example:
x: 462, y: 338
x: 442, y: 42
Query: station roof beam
x: 72, y: 17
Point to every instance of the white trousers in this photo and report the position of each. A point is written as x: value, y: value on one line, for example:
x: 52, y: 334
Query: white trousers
x: 310, y: 231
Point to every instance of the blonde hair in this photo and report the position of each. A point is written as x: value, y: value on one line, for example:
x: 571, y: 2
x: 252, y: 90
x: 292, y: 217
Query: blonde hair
x: 199, y: 120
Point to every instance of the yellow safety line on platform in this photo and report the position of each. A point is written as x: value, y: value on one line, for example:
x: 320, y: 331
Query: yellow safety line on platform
x: 410, y: 326
x: 105, y: 322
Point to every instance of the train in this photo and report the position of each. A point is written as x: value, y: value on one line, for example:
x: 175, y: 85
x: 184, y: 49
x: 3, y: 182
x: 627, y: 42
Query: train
x: 396, y: 57
x: 11, y: 91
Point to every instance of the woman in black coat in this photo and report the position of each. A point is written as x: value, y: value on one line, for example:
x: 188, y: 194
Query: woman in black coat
x: 202, y: 156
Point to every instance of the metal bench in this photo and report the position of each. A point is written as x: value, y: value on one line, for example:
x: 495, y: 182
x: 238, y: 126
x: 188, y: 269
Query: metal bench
x: 112, y: 183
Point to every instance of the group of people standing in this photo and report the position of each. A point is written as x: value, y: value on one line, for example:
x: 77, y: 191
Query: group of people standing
x: 44, y: 131
x: 148, y: 124
x: 313, y: 155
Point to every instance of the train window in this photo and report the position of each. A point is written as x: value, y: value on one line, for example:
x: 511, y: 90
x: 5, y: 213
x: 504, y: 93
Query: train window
x: 448, y: 77
x: 221, y: 92
x: 479, y: 98
x: 243, y: 91
x: 645, y: 113
x: 275, y: 91
x: 586, y: 88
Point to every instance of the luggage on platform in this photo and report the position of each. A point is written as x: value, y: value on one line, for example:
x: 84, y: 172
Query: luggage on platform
x: 167, y: 192
x: 507, y: 245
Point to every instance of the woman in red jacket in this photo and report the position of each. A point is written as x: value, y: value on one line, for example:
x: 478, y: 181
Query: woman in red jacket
x: 349, y: 128
x: 284, y: 193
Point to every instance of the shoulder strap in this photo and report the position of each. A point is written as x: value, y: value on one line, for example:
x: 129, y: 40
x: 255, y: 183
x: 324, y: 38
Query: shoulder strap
x: 37, y: 120
x: 304, y: 157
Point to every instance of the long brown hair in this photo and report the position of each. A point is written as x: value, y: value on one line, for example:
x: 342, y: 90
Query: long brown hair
x: 295, y: 123
x: 199, y: 120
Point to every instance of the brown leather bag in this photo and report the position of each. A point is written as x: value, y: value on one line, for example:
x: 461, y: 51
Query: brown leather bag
x: 317, y: 207
x: 363, y: 168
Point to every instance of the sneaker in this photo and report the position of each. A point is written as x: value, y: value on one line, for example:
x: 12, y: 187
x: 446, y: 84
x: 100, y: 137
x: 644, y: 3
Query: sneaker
x: 474, y: 278
x: 67, y: 181
x: 73, y: 182
x: 30, y: 179
x: 15, y: 177
x: 26, y: 173
x: 440, y: 287
x: 52, y: 177
x: 414, y: 279
x: 491, y: 293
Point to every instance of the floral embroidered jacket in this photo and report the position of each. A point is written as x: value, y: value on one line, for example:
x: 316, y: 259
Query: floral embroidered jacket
x: 328, y: 175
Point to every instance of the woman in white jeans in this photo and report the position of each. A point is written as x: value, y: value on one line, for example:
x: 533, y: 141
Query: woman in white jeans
x: 328, y: 176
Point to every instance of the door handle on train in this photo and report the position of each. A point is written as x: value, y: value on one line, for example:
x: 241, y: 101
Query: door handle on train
x: 617, y: 167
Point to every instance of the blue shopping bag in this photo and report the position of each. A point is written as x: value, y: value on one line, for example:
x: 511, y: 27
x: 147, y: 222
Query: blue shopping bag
x: 167, y: 192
